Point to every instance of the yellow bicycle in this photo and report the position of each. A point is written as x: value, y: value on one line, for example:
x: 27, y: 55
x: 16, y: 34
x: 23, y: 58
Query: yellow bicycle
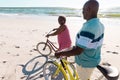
x: 61, y: 69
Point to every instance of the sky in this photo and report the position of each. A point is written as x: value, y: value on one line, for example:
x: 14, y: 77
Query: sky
x: 56, y: 3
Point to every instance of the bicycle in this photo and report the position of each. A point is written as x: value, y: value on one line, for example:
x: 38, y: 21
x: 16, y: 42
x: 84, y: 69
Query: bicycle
x: 46, y: 48
x: 59, y: 70
x: 64, y: 70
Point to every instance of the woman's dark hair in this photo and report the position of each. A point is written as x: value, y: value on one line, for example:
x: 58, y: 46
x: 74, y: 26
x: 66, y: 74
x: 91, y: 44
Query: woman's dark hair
x: 62, y: 18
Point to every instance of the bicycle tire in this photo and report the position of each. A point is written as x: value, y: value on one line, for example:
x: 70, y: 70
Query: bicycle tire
x: 40, y: 48
x: 34, y: 65
x: 49, y: 69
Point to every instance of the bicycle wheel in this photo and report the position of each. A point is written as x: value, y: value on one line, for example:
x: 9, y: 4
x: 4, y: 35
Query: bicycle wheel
x: 43, y: 48
x: 72, y: 69
x: 34, y: 65
x: 49, y: 70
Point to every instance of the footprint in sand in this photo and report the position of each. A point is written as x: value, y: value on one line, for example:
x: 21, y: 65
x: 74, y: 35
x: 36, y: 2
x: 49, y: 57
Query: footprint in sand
x: 106, y: 63
x: 17, y: 46
x: 117, y: 45
x: 8, y: 52
x: 4, y: 61
x: 2, y: 43
x: 108, y: 51
x: 115, y: 52
x: 2, y: 78
x: 33, y: 50
x: 112, y: 52
x: 17, y: 55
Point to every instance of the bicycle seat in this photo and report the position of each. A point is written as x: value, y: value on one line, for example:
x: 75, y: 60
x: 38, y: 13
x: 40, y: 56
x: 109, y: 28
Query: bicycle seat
x: 110, y: 72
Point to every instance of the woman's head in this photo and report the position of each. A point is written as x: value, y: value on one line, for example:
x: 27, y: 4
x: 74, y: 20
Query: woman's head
x: 61, y: 20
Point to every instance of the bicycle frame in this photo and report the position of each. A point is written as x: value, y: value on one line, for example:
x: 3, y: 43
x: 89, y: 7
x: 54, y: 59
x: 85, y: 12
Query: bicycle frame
x: 65, y: 64
x: 52, y: 46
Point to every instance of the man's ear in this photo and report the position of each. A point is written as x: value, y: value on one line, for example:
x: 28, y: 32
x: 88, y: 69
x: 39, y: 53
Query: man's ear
x: 88, y: 9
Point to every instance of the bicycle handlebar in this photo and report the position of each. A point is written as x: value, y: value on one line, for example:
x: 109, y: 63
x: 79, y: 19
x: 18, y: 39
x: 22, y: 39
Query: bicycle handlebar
x: 50, y: 32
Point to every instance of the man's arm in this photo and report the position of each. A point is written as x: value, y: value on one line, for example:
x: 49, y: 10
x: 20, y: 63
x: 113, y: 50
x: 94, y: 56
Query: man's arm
x: 75, y: 51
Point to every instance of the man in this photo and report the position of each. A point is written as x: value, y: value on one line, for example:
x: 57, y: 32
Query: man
x: 89, y: 40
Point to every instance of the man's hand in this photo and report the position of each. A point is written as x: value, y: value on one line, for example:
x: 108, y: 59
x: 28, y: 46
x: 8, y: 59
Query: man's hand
x: 57, y: 54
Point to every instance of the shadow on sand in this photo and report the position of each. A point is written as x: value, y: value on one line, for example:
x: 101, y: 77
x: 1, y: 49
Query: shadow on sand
x: 33, y: 69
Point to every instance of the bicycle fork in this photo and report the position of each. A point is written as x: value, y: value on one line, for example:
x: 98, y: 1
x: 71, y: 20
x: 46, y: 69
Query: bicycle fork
x: 45, y: 46
x: 72, y: 76
x: 57, y: 71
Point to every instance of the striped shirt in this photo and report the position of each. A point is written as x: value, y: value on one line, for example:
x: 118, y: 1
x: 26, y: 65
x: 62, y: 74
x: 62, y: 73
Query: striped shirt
x: 90, y: 38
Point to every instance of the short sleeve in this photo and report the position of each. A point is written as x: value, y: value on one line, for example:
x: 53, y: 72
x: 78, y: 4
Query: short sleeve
x: 84, y: 38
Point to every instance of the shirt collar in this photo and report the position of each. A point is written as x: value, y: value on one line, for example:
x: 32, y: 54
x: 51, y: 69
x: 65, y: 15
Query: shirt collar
x: 92, y: 20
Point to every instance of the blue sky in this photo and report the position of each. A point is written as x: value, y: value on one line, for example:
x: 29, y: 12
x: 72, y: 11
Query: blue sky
x: 56, y: 3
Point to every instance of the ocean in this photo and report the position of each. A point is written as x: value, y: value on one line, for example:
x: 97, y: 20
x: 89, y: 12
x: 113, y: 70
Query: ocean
x: 55, y: 11
x: 52, y: 11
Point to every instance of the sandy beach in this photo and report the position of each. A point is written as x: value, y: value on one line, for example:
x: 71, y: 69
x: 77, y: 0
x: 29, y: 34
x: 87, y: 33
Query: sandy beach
x: 19, y: 35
